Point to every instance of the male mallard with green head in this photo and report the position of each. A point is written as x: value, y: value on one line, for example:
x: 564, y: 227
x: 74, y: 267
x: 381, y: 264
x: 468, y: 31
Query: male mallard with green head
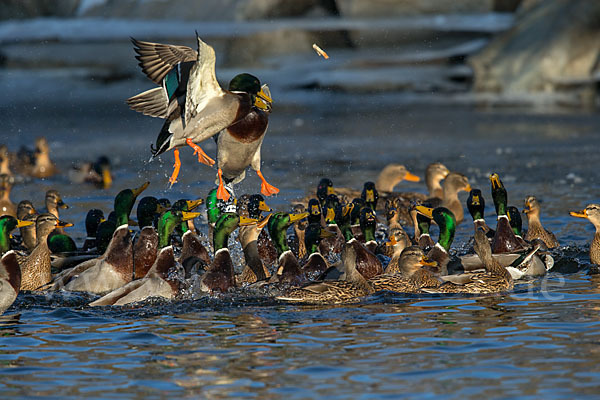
x: 504, y: 240
x: 189, y: 98
x: 447, y: 223
x: 289, y: 270
x: 7, y: 225
x: 592, y: 213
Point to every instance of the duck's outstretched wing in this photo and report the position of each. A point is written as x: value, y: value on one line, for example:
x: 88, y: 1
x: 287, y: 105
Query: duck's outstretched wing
x: 153, y: 102
x: 205, y: 88
x: 157, y: 59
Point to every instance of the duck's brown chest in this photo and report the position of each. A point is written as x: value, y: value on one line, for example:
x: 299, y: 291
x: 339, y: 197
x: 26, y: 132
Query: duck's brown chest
x: 250, y: 128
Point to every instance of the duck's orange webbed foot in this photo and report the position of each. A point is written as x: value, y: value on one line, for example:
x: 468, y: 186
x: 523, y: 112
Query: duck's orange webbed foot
x: 176, y: 167
x: 222, y: 193
x: 202, y: 156
x: 265, y: 187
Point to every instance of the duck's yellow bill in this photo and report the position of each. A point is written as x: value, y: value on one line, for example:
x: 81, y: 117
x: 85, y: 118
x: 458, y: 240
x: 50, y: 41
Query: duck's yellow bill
x: 370, y: 196
x: 63, y: 224
x: 298, y: 217
x: 263, y: 98
x: 263, y: 222
x: 468, y: 188
x: 411, y: 177
x: 189, y: 215
x: 137, y: 191
x: 578, y: 214
x: 495, y: 180
x: 330, y: 190
x: 330, y: 216
x: 347, y: 208
x: 475, y: 200
x: 106, y: 179
x: 426, y: 211
x: 21, y: 223
x: 192, y: 204
x: 427, y: 262
x: 244, y: 221
x: 262, y: 206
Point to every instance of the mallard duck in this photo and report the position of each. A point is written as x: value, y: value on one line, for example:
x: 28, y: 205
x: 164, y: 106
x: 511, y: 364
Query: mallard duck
x: 324, y: 189
x: 504, y: 240
x: 189, y: 97
x: 255, y: 270
x: 7, y: 225
x: 495, y: 279
x: 349, y: 290
x: 407, y: 274
x: 36, y: 163
x: 447, y: 224
x: 434, y: 174
x: 123, y: 204
x: 10, y: 280
x: 315, y: 264
x: 194, y: 257
x: 26, y: 212
x: 145, y: 251
x: 54, y: 201
x: 97, y: 173
x: 476, y: 207
x: 187, y: 206
x: 220, y: 276
x: 36, y: 267
x: 297, y: 242
x: 289, y: 270
x: 516, y: 223
x: 4, y: 161
x: 7, y: 207
x: 452, y: 185
x: 239, y: 145
x: 368, y: 225
x: 93, y: 219
x: 252, y: 206
x: 535, y: 230
x: 592, y: 213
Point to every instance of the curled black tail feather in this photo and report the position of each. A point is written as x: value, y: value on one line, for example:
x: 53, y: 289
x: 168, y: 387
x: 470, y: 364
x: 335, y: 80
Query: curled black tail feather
x: 162, y: 141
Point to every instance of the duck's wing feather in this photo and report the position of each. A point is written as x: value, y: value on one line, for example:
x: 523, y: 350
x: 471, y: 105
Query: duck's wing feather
x: 153, y: 102
x: 157, y: 59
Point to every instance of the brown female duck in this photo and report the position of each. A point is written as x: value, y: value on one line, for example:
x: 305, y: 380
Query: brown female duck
x: 592, y: 213
x: 535, y: 230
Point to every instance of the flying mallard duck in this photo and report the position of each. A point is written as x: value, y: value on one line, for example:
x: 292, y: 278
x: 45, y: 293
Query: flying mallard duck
x: 190, y: 99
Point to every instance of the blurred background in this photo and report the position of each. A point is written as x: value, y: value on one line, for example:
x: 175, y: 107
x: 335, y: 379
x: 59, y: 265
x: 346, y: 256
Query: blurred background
x: 481, y: 85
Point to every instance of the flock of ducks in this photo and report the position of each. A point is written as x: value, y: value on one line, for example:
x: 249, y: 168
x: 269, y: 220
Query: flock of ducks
x: 326, y: 251
x: 332, y: 248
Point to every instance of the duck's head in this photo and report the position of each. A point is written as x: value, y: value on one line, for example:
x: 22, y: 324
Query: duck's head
x: 187, y: 205
x: 261, y: 96
x: 46, y: 223
x: 445, y: 220
x: 476, y: 204
x: 256, y: 206
x: 514, y: 217
x: 590, y: 212
x: 54, y: 200
x: 124, y: 202
x: 314, y: 211
x: 368, y: 223
x: 147, y: 209
x: 358, y: 204
x: 332, y: 203
x: 324, y: 189
x: 370, y: 195
x: 435, y: 172
x: 532, y: 206
x: 6, y: 182
x: 456, y: 182
x: 7, y: 225
x: 303, y: 223
x: 498, y: 194
x: 93, y: 219
x: 25, y: 207
x: 392, y: 175
x: 102, y: 167
x: 168, y: 221
x: 215, y: 206
x: 412, y: 259
x: 313, y: 234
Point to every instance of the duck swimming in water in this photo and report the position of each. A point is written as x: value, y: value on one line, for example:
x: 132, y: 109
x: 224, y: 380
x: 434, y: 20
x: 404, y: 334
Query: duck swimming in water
x: 592, y: 213
x: 535, y: 230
